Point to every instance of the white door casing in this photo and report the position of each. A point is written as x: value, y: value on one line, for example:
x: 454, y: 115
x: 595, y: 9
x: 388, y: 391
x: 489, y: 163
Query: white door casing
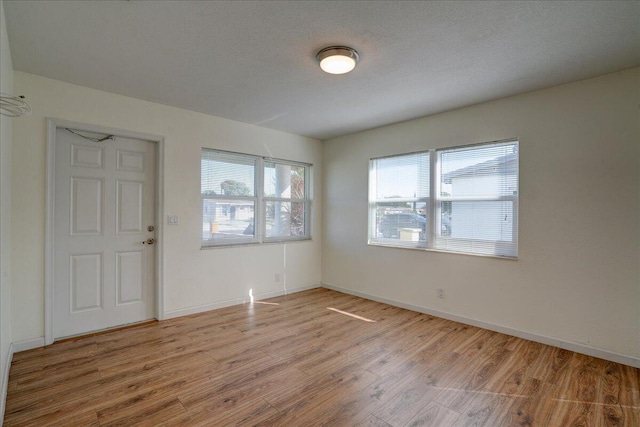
x: 104, y: 201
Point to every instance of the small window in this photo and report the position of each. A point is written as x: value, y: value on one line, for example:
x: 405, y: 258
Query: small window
x: 286, y: 202
x: 228, y: 188
x: 478, y: 199
x: 474, y: 208
x: 399, y: 200
x: 248, y: 199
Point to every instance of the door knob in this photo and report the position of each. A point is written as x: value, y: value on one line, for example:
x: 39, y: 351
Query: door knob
x: 149, y: 241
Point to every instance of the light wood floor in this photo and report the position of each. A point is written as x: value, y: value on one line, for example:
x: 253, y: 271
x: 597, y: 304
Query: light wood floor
x: 290, y: 361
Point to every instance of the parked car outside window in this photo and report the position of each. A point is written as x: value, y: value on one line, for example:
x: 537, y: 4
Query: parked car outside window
x: 391, y: 224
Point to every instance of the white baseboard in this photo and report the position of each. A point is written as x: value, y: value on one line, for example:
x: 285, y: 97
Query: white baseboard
x: 556, y: 342
x: 5, y: 382
x: 222, y: 304
x: 29, y: 344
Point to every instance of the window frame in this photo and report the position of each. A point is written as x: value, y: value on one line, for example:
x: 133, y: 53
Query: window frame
x: 260, y: 200
x: 434, y: 205
x: 374, y: 202
x: 306, y: 201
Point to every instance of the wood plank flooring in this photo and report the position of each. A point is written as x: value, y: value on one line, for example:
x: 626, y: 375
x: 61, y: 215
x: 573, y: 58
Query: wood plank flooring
x: 289, y: 361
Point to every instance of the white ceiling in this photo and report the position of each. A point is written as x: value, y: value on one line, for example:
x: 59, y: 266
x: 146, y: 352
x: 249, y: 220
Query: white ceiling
x: 253, y: 61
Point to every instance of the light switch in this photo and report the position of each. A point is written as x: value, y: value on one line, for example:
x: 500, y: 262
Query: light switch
x: 172, y: 219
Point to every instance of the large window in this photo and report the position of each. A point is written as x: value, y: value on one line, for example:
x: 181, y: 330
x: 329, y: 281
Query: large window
x: 461, y: 199
x: 249, y: 199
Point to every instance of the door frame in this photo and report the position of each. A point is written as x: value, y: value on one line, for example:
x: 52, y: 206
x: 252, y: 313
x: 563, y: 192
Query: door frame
x: 52, y: 125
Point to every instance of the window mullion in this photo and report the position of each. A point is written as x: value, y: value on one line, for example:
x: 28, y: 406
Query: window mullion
x: 373, y: 203
x: 434, y: 189
x: 284, y: 199
x: 222, y: 197
x: 260, y: 216
x: 478, y: 198
x: 307, y: 202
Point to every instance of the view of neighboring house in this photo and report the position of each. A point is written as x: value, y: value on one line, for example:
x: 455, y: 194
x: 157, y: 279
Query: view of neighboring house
x: 474, y: 204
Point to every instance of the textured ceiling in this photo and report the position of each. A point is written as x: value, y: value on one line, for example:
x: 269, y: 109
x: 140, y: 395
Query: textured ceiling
x: 254, y: 61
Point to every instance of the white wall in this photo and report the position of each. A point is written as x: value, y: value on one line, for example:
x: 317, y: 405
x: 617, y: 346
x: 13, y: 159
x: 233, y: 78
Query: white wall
x: 577, y: 278
x: 578, y: 271
x: 6, y: 86
x: 194, y: 279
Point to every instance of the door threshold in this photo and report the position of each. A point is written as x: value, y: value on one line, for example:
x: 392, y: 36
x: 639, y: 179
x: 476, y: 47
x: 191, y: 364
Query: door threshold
x: 105, y: 331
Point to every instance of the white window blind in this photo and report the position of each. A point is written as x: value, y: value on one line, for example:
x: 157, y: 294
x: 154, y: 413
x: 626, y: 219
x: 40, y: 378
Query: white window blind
x: 228, y: 184
x: 286, y: 201
x: 399, y: 200
x: 474, y: 208
x: 478, y: 195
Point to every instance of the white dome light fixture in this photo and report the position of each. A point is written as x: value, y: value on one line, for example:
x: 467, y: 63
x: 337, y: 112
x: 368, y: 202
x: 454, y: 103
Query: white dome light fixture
x: 337, y: 59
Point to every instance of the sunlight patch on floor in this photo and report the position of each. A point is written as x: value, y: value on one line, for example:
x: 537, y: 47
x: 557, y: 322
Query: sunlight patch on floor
x: 253, y: 301
x: 355, y: 316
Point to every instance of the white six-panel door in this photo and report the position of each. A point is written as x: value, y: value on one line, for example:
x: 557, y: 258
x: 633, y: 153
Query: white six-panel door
x: 104, y: 211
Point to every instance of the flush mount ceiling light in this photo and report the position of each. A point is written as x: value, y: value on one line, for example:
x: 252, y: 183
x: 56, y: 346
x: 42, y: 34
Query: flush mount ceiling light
x: 337, y: 59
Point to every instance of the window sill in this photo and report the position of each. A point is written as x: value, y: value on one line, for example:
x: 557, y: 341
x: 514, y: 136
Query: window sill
x: 425, y: 249
x: 266, y: 242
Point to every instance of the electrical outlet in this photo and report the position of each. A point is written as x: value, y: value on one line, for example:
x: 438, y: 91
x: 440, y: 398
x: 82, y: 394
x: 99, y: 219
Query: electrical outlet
x: 440, y: 293
x: 277, y: 277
